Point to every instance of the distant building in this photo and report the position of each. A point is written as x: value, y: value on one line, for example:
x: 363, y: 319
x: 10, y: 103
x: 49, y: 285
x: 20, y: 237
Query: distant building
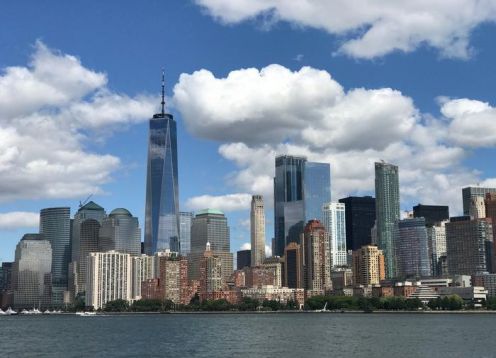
x: 143, y: 269
x: 470, y: 192
x: 293, y: 266
x: 490, y: 204
x: 257, y: 230
x: 341, y: 278
x: 31, y: 274
x: 477, y: 208
x: 172, y: 271
x: 6, y: 276
x: 368, y: 266
x: 243, y: 259
x: 259, y: 276
x: 109, y: 277
x: 486, y: 280
x: 120, y: 232
x: 185, y: 222
x: 316, y: 258
x: 469, y: 246
x: 280, y: 294
x: 360, y: 218
x: 436, y: 236
x: 210, y: 226
x: 55, y: 226
x: 276, y: 264
x: 411, y: 249
x: 162, y: 185
x: 387, y: 200
x: 431, y: 213
x: 334, y: 220
x: 210, y: 272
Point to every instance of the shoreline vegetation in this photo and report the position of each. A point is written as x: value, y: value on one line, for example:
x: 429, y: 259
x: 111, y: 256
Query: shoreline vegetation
x: 333, y: 304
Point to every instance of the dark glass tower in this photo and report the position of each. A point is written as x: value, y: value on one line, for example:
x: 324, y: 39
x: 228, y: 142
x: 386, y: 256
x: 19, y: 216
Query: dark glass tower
x: 431, y: 213
x: 162, y: 191
x: 360, y: 218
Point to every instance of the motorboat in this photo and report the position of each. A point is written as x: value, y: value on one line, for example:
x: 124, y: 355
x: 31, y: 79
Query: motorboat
x: 86, y: 314
x: 10, y: 312
x: 2, y: 312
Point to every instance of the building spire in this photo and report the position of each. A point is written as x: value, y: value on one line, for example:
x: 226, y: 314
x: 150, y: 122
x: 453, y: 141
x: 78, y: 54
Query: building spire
x: 163, y: 92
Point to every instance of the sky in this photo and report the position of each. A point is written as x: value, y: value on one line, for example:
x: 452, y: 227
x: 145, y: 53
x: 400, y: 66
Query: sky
x: 344, y: 82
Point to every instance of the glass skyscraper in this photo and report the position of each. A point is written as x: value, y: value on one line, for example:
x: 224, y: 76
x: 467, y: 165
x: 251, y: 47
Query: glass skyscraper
x: 334, y: 220
x: 55, y: 226
x: 360, y: 218
x: 300, y: 190
x: 120, y: 232
x: 387, y: 201
x: 162, y: 191
x: 185, y: 221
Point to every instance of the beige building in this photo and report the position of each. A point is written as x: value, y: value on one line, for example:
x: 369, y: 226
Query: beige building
x: 316, y: 258
x: 281, y: 294
x: 109, y: 277
x: 143, y: 269
x: 477, y: 208
x: 368, y: 266
x: 210, y: 272
x: 257, y: 225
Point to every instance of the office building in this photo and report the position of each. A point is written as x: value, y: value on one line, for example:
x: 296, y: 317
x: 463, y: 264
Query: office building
x: 109, y: 278
x: 55, y: 226
x: 257, y: 230
x: 368, y: 266
x: 469, y: 246
x: 293, y: 266
x: 162, y: 187
x: 210, y: 225
x: 431, y: 213
x: 143, y: 269
x: 411, y: 249
x: 85, y: 230
x: 334, y: 220
x: 185, y: 221
x: 470, y: 192
x: 387, y: 201
x: 120, y: 232
x: 360, y: 218
x: 300, y: 190
x: 243, y: 259
x: 31, y: 274
x: 477, y: 208
x: 436, y: 236
x: 316, y: 258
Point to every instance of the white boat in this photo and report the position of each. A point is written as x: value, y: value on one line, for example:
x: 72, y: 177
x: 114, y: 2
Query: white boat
x: 35, y: 311
x: 2, y: 312
x: 25, y: 311
x: 10, y: 312
x: 323, y: 309
x: 86, y: 314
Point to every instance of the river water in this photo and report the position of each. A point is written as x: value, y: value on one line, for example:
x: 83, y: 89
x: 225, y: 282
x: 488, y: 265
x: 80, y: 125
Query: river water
x: 250, y: 335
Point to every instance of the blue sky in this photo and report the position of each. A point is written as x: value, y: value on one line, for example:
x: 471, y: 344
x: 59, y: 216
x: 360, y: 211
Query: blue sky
x: 375, y: 87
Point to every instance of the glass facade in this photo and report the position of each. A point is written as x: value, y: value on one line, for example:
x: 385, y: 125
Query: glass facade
x: 185, y: 221
x: 470, y: 192
x: 120, y: 232
x: 431, y: 213
x: 360, y: 218
x: 300, y: 190
x: 55, y: 226
x: 387, y: 204
x: 335, y: 224
x: 162, y: 192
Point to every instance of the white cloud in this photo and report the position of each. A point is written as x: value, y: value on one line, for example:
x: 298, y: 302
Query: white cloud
x: 247, y: 246
x: 19, y: 219
x: 50, y: 110
x: 348, y: 129
x: 367, y: 28
x: 230, y: 202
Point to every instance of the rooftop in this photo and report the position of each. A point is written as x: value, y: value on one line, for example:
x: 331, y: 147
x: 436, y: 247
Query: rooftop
x: 209, y: 212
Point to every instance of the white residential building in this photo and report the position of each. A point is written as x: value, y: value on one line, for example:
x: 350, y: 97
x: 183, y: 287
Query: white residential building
x: 333, y: 215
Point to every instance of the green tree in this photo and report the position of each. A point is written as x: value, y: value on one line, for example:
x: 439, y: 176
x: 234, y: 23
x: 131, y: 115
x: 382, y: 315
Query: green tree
x: 116, y: 306
x: 146, y: 306
x: 248, y: 304
x: 491, y: 303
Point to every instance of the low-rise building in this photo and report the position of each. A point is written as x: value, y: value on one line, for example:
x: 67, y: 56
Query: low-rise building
x: 486, y: 280
x: 281, y: 294
x: 476, y: 294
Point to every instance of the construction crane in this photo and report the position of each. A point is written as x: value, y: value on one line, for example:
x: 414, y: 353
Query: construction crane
x: 85, y: 201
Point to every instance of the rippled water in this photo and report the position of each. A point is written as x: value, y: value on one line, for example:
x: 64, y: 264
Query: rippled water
x: 250, y: 335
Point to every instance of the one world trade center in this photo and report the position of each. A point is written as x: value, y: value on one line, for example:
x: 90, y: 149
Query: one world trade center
x: 162, y: 198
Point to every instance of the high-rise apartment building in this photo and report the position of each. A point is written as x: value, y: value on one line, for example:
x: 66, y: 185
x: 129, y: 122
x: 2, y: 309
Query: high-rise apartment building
x: 210, y: 226
x: 490, y: 204
x: 172, y: 272
x: 143, y: 269
x: 162, y: 187
x: 55, y: 226
x: 293, y: 266
x: 257, y: 230
x: 436, y: 235
x: 469, y: 246
x: 368, y: 266
x: 85, y: 230
x: 109, y: 277
x: 316, y: 256
x: 360, y: 218
x: 300, y: 190
x: 411, y: 249
x: 120, y: 232
x: 210, y: 271
x: 387, y: 201
x: 431, y: 213
x: 470, y: 192
x: 334, y: 220
x: 185, y: 221
x: 31, y: 274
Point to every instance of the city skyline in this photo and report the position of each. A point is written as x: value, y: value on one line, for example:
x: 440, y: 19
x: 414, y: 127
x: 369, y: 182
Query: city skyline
x: 97, y: 114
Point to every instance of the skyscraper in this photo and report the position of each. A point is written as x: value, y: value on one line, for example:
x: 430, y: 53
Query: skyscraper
x: 243, y: 259
x: 185, y: 221
x: 120, y: 232
x: 436, y: 235
x: 477, y: 208
x: 387, y: 201
x: 411, y: 249
x: 55, y: 226
x: 335, y: 225
x: 210, y: 226
x: 257, y: 230
x: 470, y: 192
x: 431, y: 213
x: 316, y: 258
x: 360, y: 218
x: 31, y: 275
x: 162, y: 188
x: 300, y: 190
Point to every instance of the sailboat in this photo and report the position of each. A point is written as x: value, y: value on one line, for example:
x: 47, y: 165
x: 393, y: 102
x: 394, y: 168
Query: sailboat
x: 1, y: 312
x: 10, y: 312
x: 323, y: 309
